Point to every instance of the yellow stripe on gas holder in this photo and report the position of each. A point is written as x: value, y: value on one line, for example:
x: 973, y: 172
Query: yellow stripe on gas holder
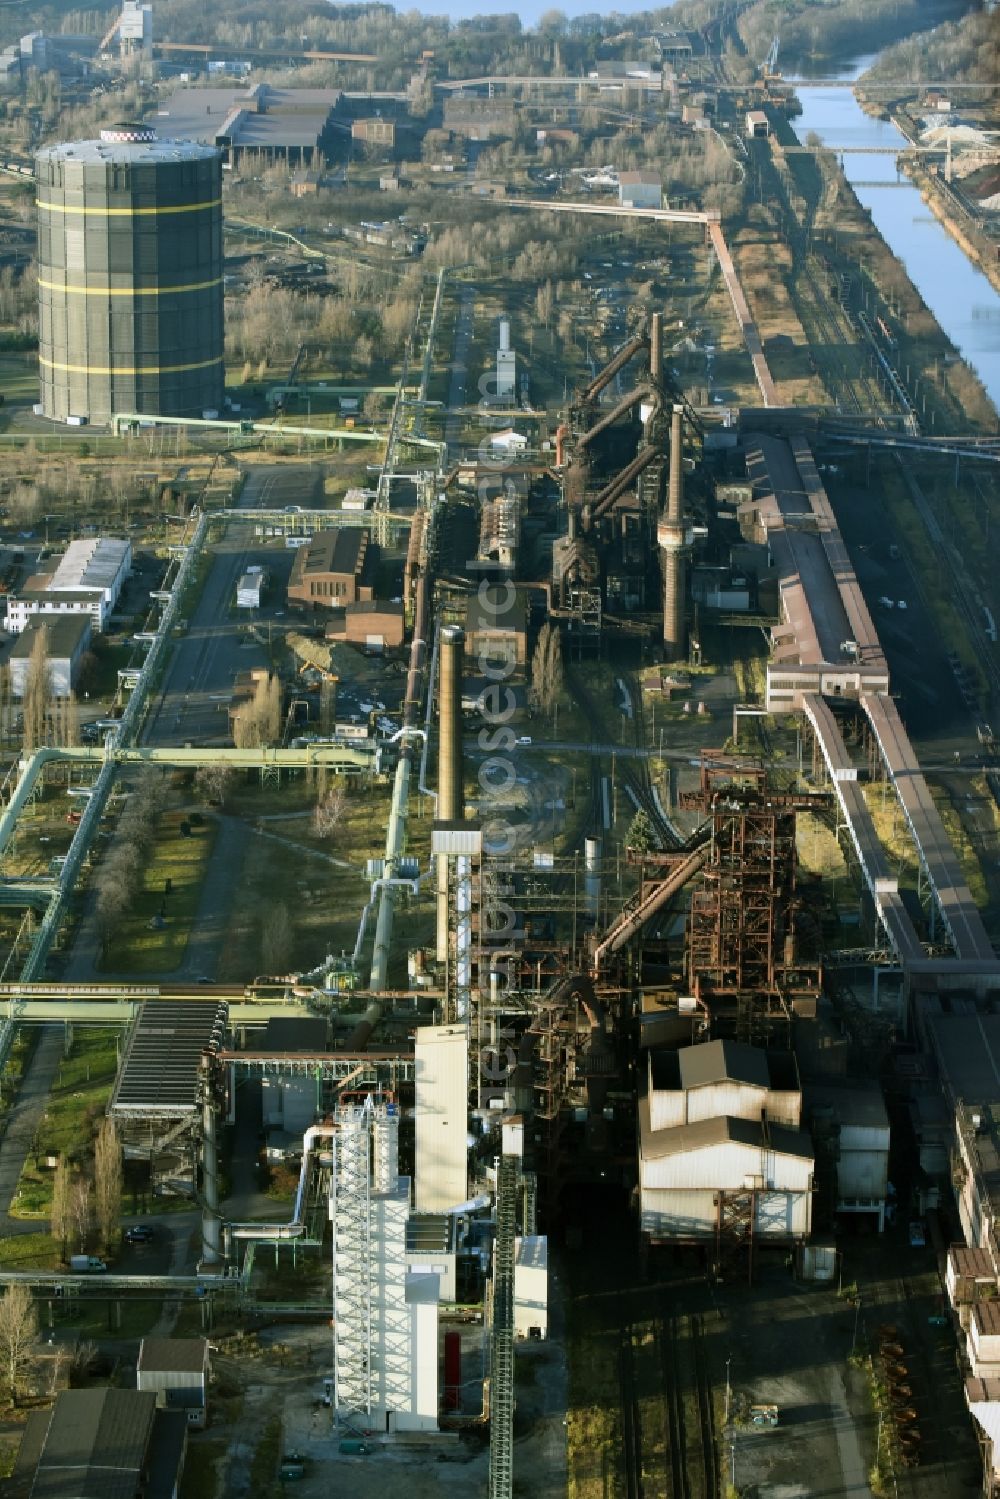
x: 127, y: 213
x: 126, y: 369
x: 126, y: 291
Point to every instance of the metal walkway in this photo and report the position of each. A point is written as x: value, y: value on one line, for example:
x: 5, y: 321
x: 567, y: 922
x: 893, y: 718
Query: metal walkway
x: 953, y: 896
x: 881, y: 882
x: 748, y: 327
x: 653, y: 899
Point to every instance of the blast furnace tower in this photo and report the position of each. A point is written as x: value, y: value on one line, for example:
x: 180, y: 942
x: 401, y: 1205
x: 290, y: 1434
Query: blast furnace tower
x: 130, y: 277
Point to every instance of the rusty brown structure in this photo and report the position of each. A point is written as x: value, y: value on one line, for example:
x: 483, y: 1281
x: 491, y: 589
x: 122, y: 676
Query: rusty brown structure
x: 743, y: 944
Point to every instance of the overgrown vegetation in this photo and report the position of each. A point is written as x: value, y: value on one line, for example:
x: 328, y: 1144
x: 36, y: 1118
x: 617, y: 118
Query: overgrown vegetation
x: 966, y: 50
x: 147, y: 900
x: 69, y: 1127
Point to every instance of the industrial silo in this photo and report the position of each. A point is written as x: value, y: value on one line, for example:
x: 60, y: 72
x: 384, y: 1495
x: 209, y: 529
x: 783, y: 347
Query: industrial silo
x: 130, y: 277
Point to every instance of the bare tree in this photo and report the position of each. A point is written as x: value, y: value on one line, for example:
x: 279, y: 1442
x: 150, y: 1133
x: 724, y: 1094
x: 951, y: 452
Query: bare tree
x: 37, y: 692
x: 58, y: 1362
x: 267, y: 706
x: 259, y: 721
x: 212, y: 782
x: 18, y: 1334
x: 61, y: 1219
x: 83, y: 1360
x: 329, y: 811
x: 373, y: 408
x: 275, y: 938
x: 547, y: 670
x: 107, y: 1182
x: 327, y: 704
x: 81, y: 1210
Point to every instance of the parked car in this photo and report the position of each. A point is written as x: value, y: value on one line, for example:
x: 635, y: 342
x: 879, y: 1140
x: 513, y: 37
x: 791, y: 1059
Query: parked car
x: 139, y: 1233
x: 918, y: 1236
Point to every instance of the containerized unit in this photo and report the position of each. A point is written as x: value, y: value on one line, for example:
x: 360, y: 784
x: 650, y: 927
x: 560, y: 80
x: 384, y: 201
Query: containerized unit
x: 130, y: 277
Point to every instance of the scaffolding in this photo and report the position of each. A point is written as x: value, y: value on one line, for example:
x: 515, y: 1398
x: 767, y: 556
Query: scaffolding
x: 734, y: 1233
x: 350, y: 1213
x: 742, y: 941
x: 374, y: 1329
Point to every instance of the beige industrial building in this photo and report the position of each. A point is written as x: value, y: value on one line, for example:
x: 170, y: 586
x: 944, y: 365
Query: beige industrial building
x: 441, y: 1064
x: 531, y: 1286
x: 719, y: 1135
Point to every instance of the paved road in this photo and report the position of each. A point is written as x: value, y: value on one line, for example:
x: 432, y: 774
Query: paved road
x: 23, y: 1121
x: 192, y: 705
x: 459, y: 368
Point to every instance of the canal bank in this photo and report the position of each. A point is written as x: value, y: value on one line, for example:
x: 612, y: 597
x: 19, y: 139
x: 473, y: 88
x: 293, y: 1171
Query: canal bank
x: 953, y: 288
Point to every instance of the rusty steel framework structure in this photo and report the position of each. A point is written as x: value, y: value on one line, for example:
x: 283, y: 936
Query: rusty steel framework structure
x: 741, y: 949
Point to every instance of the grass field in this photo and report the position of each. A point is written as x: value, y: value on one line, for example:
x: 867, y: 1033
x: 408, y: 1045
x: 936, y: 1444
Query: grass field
x: 201, y: 1479
x: 138, y: 947
x: 28, y: 1252
x: 75, y: 1107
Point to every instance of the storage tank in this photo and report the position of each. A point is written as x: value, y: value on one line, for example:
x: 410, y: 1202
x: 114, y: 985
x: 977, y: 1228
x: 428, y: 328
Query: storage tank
x: 130, y: 277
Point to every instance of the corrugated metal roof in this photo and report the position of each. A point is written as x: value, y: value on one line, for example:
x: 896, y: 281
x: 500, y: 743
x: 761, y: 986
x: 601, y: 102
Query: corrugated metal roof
x: 723, y: 1061
x: 779, y: 1139
x: 987, y: 1318
x: 173, y: 1355
x: 159, y: 1073
x: 95, y: 1446
x: 166, y: 1453
x: 93, y: 564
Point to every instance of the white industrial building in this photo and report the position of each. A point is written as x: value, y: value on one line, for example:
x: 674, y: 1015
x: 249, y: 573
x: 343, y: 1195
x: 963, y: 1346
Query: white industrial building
x: 508, y: 440
x: 385, y: 1317
x: 506, y: 366
x: 722, y: 1078
x: 135, y: 27
x: 441, y: 1077
x: 176, y: 1371
x: 718, y: 1130
x: 531, y: 1286
x: 66, y: 642
x: 87, y: 579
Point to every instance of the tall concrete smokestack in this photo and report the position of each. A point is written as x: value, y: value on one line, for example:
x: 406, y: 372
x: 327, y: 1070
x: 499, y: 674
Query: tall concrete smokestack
x: 675, y: 494
x: 670, y: 535
x: 451, y: 779
x: 656, y: 346
x: 451, y: 796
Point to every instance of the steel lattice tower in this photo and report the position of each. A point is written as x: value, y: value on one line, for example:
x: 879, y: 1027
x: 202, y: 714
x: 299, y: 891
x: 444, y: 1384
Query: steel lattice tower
x: 502, y: 1340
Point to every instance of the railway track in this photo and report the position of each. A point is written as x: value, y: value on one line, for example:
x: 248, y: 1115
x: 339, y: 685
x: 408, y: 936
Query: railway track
x: 857, y: 393
x: 663, y: 1370
x: 631, y: 1425
x: 637, y: 781
x: 673, y: 1401
x: 706, y: 1409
